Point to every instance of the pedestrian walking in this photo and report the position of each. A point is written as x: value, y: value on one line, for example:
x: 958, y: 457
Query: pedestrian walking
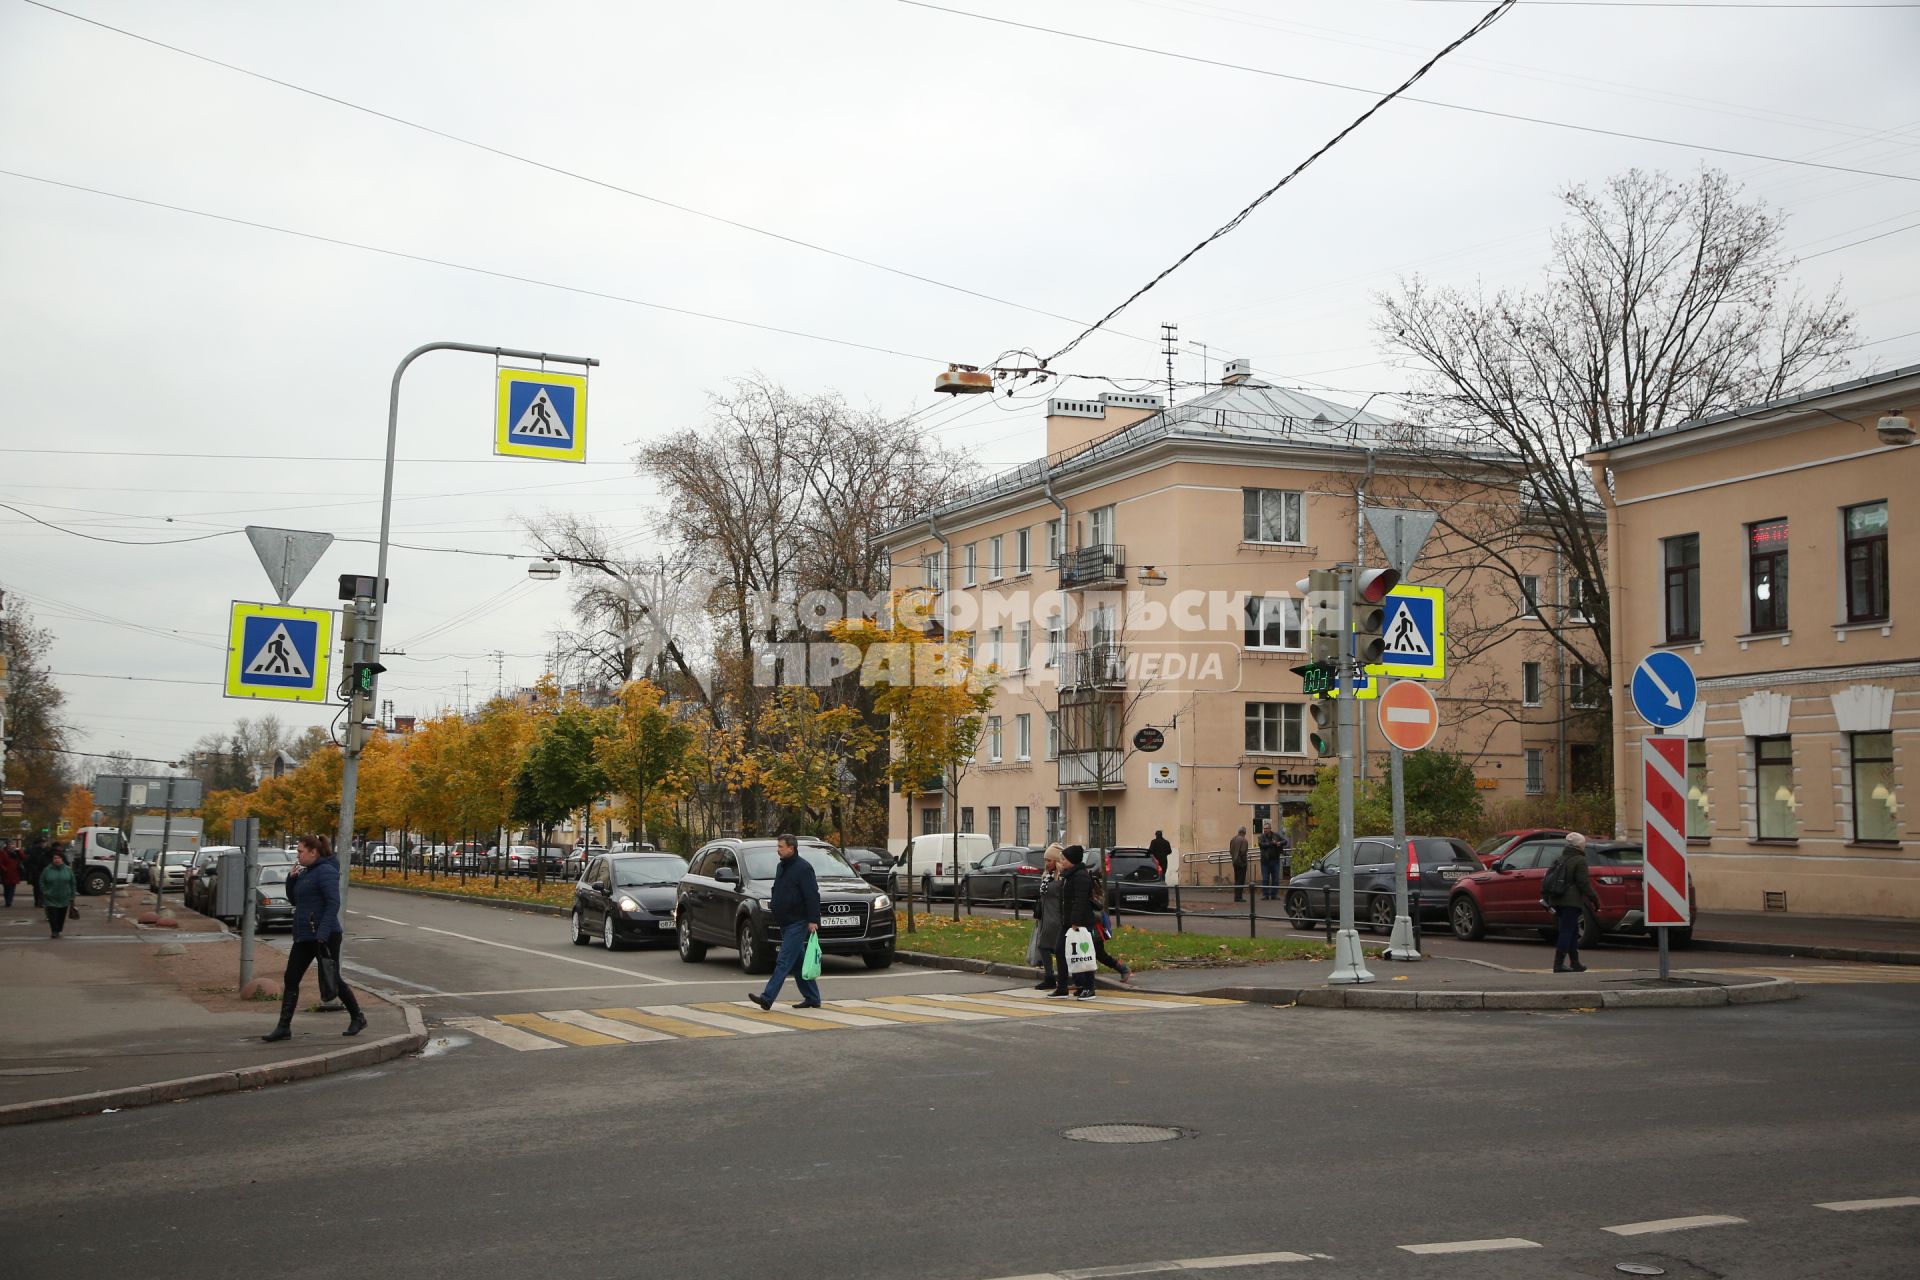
x: 1103, y: 925
x: 1273, y: 847
x: 796, y: 914
x: 314, y: 889
x: 56, y: 891
x: 36, y: 862
x: 1049, y: 921
x: 1076, y: 912
x: 1237, y: 850
x: 12, y: 869
x: 1161, y: 849
x: 1567, y: 890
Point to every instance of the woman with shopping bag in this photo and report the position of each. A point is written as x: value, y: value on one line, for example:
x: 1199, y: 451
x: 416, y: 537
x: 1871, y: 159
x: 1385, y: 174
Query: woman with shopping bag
x: 1075, y: 955
x: 1048, y: 922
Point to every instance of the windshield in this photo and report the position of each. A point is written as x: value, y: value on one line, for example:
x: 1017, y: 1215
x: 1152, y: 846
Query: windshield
x: 635, y: 873
x: 762, y: 862
x: 273, y: 875
x: 1626, y: 855
x: 264, y: 856
x: 176, y: 859
x: 1491, y: 845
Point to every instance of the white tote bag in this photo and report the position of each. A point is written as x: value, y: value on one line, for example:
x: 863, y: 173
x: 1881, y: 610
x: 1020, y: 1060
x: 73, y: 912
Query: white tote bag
x: 1080, y: 957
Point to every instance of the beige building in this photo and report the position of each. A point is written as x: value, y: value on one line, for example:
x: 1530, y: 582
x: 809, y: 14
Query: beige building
x: 1143, y: 575
x: 1769, y: 548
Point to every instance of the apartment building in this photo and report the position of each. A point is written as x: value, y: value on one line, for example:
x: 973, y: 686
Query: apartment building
x: 1143, y: 575
x: 1772, y: 547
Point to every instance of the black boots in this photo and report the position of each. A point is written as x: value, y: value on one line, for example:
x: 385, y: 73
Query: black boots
x: 1559, y: 962
x: 1567, y: 962
x: 1573, y: 962
x: 289, y: 1001
x: 356, y: 1024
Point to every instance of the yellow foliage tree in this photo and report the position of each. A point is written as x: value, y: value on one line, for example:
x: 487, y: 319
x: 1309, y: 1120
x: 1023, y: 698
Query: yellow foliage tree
x: 77, y: 811
x: 810, y: 750
x: 644, y: 752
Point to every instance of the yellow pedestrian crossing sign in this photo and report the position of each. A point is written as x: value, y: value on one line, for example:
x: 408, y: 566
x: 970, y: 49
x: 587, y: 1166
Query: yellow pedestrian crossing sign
x: 1415, y: 634
x: 541, y: 415
x: 278, y: 652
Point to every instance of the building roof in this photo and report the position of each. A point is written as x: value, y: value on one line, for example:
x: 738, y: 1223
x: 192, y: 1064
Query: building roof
x: 1766, y: 408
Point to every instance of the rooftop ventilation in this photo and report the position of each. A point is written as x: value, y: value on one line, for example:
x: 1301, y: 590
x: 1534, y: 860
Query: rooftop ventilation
x: 1059, y: 407
x: 1237, y: 371
x: 1132, y: 400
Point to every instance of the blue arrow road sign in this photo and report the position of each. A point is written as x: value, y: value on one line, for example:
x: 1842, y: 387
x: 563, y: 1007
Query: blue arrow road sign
x: 1663, y: 689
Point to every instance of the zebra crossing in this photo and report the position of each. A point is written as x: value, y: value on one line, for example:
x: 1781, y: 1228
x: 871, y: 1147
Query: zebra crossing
x: 661, y: 1024
x: 1835, y: 974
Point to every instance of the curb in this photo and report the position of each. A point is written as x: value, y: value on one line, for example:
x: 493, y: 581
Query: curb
x: 512, y: 904
x: 141, y: 1095
x: 1860, y: 955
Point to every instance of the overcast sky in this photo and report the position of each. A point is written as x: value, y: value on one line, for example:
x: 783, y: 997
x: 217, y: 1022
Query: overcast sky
x: 162, y: 368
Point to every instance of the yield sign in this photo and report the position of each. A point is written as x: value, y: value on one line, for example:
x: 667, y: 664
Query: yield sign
x: 1401, y: 534
x: 288, y: 555
x: 1409, y: 717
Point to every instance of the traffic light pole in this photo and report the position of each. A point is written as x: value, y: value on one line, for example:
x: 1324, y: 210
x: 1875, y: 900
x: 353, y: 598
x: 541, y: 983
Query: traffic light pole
x: 1401, y: 945
x: 1349, y: 963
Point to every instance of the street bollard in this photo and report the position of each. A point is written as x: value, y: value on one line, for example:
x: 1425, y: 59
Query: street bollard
x: 1179, y: 920
x: 1252, y: 903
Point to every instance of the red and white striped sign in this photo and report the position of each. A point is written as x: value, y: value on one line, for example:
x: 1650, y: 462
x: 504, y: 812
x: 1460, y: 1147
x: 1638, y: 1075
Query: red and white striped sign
x: 1663, y: 792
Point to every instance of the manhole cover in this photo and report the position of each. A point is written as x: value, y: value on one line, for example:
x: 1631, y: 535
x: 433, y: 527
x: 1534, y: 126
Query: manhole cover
x: 1639, y: 1269
x: 1125, y: 1133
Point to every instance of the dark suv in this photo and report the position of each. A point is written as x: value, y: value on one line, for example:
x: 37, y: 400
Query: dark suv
x: 723, y: 901
x: 1434, y: 865
x: 1135, y: 880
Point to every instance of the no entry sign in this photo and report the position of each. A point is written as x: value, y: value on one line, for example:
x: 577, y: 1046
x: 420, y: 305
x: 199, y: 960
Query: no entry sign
x: 1664, y: 799
x: 1409, y: 717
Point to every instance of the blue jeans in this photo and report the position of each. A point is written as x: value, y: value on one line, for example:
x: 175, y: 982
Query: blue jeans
x: 1269, y: 877
x: 1569, y: 940
x: 793, y: 945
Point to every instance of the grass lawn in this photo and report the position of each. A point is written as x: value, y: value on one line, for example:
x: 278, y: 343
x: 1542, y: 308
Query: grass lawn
x: 556, y: 892
x: 996, y: 938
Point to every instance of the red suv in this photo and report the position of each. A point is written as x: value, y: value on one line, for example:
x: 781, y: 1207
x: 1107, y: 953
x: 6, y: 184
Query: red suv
x: 1493, y: 848
x: 1507, y: 895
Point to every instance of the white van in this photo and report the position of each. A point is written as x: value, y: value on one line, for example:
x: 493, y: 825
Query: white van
x: 940, y: 853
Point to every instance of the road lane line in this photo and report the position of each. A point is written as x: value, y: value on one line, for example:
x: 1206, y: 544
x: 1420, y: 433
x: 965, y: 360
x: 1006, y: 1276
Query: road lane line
x: 511, y: 1037
x: 783, y: 1017
x: 548, y: 955
x: 383, y: 920
x: 1855, y: 1206
x: 1659, y: 1225
x: 1238, y: 1260
x: 606, y: 1026
x: 661, y: 1022
x: 724, y: 1021
x: 1471, y: 1246
x: 557, y: 1030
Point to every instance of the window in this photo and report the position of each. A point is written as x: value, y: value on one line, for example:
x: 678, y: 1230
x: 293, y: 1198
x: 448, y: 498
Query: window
x: 1023, y: 737
x: 1101, y: 826
x: 993, y: 740
x: 1274, y: 727
x: 1271, y: 515
x: 1022, y: 824
x: 1022, y: 645
x: 994, y: 564
x: 1536, y: 771
x: 993, y: 823
x: 1529, y: 595
x: 1056, y: 639
x: 1023, y: 551
x: 1767, y: 575
x: 1053, y: 738
x: 1580, y: 595
x: 1103, y: 626
x: 1584, y: 688
x: 1274, y: 622
x: 929, y: 821
x: 1053, y: 544
x: 1698, y: 810
x: 972, y: 563
x: 1873, y: 794
x: 966, y: 818
x: 1682, y: 558
x: 993, y: 654
x: 1530, y: 683
x: 1099, y: 526
x: 1054, y: 830
x: 1774, y: 801
x: 1866, y: 532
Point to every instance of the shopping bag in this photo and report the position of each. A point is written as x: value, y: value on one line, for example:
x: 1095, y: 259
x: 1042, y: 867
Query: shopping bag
x: 1035, y: 953
x: 810, y: 962
x: 1080, y: 957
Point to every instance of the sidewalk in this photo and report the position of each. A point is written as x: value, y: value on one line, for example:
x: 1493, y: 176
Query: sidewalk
x: 116, y: 1015
x: 1868, y: 938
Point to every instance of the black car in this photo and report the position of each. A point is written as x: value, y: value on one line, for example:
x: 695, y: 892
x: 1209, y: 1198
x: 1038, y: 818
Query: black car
x: 1434, y: 865
x: 872, y: 864
x: 1009, y: 872
x: 626, y: 897
x: 723, y: 901
x: 1135, y: 880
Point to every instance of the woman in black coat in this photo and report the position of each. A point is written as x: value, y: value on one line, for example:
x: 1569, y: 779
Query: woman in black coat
x: 1076, y: 912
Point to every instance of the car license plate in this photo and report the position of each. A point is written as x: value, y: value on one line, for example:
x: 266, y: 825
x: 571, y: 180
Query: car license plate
x: 839, y: 922
x: 1449, y: 875
x: 1133, y: 897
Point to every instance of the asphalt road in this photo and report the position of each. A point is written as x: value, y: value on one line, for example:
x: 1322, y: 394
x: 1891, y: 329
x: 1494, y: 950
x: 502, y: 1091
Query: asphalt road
x: 935, y: 1149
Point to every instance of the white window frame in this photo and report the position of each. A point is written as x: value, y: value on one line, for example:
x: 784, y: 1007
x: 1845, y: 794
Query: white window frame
x: 1289, y: 728
x: 1584, y: 694
x: 1530, y: 675
x: 1266, y: 606
x: 995, y: 638
x: 993, y: 825
x: 972, y: 563
x: 1053, y: 735
x: 1288, y: 498
x: 1053, y: 544
x: 993, y: 740
x: 1529, y: 595
x: 1022, y: 644
x: 1056, y: 639
x: 1022, y: 824
x: 1578, y: 598
x: 1100, y: 526
x: 995, y: 563
x: 1023, y: 737
x: 1022, y: 552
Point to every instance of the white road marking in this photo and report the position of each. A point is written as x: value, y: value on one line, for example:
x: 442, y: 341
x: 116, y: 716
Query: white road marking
x: 670, y: 982
x: 548, y: 955
x: 1471, y: 1246
x: 925, y: 1010
x: 1239, y: 1260
x: 840, y: 1017
x: 725, y: 1021
x: 1660, y: 1225
x: 383, y: 919
x: 1854, y: 1206
x: 500, y: 1033
x: 607, y: 1026
x: 1220, y: 1263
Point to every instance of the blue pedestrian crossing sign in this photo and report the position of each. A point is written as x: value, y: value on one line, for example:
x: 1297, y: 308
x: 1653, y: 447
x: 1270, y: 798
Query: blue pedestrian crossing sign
x: 278, y: 652
x: 541, y: 415
x: 1416, y: 634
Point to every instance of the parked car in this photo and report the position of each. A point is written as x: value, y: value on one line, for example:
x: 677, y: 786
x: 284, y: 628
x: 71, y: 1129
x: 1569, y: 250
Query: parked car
x: 382, y: 855
x: 1493, y: 848
x: 576, y: 861
x: 940, y: 853
x: 1434, y: 865
x: 270, y: 903
x: 631, y: 846
x: 527, y: 860
x: 1009, y: 872
x: 626, y: 897
x: 263, y: 859
x: 1508, y: 895
x: 723, y: 901
x: 872, y: 864
x: 173, y: 868
x: 193, y: 893
x: 1135, y: 880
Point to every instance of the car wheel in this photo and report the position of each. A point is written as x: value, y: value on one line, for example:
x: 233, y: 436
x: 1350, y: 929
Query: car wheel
x: 1297, y: 911
x: 1380, y: 913
x: 580, y: 938
x: 690, y: 951
x: 1006, y: 891
x: 1463, y: 913
x: 97, y: 881
x: 607, y: 938
x: 878, y: 959
x: 754, y: 957
x: 1590, y: 931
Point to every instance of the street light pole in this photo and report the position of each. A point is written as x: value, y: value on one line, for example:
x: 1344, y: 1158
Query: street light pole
x: 376, y: 616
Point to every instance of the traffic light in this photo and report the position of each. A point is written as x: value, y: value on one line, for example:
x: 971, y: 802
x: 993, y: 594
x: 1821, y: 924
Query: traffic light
x: 1326, y: 726
x: 1321, y: 590
x: 1370, y: 588
x: 363, y: 676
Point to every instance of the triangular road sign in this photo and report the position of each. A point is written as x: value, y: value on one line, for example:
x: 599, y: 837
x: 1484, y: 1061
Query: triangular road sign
x: 288, y: 555
x: 1401, y: 535
x: 279, y: 656
x: 542, y: 419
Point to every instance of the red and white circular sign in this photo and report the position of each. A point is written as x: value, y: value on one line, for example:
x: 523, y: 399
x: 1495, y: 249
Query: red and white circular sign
x: 1409, y: 717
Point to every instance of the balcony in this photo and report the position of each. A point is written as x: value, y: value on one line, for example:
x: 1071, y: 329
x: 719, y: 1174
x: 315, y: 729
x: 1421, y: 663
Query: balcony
x: 1083, y: 770
x: 1102, y: 564
x: 1097, y: 666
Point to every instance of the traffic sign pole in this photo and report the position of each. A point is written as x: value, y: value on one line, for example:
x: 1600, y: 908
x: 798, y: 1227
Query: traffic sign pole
x: 1349, y: 963
x: 1401, y: 945
x: 1409, y: 719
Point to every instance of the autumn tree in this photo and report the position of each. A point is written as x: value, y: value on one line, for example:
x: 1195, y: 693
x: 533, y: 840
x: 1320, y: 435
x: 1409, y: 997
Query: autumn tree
x: 810, y: 754
x: 643, y: 750
x: 77, y: 812
x: 718, y: 770
x: 558, y: 772
x: 36, y: 735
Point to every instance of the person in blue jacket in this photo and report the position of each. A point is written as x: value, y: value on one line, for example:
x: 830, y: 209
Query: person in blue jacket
x: 795, y: 905
x: 314, y: 889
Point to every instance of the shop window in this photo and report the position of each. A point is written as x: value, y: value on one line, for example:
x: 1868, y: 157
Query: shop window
x: 1774, y: 800
x: 1875, y: 811
x: 1699, y: 809
x: 1866, y: 529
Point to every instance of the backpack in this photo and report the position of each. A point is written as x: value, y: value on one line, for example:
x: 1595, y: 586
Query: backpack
x: 1559, y: 877
x: 1097, y: 890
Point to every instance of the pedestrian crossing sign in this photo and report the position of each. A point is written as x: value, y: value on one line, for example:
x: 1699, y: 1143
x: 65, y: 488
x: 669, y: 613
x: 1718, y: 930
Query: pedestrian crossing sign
x: 541, y: 415
x: 279, y: 652
x: 1416, y: 634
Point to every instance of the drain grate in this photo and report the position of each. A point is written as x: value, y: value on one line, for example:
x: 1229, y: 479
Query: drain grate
x: 1124, y: 1133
